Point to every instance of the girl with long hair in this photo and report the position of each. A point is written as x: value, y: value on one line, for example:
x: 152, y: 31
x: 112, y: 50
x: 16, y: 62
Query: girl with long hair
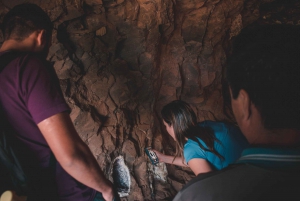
x: 203, y: 146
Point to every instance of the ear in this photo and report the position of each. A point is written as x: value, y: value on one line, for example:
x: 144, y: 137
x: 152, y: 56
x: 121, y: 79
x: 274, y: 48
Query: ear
x: 41, y: 38
x: 245, y: 104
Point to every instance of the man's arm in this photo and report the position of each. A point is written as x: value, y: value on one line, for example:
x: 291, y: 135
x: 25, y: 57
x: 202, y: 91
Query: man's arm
x: 73, y: 154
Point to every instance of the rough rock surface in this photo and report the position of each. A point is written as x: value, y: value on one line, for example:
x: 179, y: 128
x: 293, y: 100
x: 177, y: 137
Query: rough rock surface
x: 120, y: 61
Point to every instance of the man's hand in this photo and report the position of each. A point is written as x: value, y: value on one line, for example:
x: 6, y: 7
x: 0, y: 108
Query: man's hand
x: 108, y: 194
x: 111, y: 192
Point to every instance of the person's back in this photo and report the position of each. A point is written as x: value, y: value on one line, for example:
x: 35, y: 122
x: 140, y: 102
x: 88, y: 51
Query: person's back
x: 263, y: 75
x: 60, y: 166
x: 243, y: 182
x: 205, y: 146
x: 23, y: 112
x: 229, y: 144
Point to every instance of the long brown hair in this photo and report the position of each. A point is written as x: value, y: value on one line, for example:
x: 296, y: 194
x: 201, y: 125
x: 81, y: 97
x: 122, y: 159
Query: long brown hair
x: 181, y: 116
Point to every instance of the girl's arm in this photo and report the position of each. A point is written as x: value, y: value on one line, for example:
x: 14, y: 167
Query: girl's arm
x: 169, y: 159
x: 199, y: 165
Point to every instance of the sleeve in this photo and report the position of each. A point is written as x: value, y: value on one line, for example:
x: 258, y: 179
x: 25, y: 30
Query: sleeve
x: 192, y: 150
x: 41, y: 90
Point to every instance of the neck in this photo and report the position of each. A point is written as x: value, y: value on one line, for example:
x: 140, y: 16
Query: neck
x: 22, y: 46
x: 32, y: 43
x: 256, y: 133
x: 278, y: 137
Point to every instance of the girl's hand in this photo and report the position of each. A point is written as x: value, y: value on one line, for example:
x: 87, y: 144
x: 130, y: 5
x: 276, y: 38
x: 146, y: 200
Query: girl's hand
x: 160, y: 155
x: 170, y: 159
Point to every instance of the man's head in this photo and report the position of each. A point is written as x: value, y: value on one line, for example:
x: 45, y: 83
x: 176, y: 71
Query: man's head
x: 23, y: 20
x: 265, y: 68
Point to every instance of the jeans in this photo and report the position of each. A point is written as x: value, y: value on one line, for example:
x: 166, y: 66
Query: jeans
x: 99, y: 197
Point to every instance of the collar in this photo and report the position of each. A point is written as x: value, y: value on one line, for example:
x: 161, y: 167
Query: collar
x: 271, y: 157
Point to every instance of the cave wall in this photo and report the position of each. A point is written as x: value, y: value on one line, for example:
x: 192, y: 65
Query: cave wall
x: 120, y: 61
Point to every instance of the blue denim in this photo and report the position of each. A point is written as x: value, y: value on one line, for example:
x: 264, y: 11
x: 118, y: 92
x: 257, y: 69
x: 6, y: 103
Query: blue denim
x: 99, y: 197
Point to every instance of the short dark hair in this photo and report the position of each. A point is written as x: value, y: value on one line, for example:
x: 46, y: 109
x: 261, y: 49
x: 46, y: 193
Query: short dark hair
x: 265, y: 62
x: 24, y: 19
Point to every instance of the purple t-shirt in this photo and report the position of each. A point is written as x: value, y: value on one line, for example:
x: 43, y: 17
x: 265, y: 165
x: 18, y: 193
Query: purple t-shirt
x: 30, y: 93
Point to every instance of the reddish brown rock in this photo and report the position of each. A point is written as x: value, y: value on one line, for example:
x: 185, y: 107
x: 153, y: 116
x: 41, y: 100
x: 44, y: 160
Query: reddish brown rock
x: 119, y: 62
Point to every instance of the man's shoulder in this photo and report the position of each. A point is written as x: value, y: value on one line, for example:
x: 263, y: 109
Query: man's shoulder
x: 21, y: 60
x: 31, y: 58
x: 20, y: 54
x: 214, y: 175
x: 242, y: 182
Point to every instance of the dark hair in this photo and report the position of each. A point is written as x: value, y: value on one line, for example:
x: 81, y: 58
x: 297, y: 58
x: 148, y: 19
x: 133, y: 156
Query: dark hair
x: 265, y: 62
x: 24, y: 19
x: 181, y: 116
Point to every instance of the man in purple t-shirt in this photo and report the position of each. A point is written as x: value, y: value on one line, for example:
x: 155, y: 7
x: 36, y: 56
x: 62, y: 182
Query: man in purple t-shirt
x: 33, y: 104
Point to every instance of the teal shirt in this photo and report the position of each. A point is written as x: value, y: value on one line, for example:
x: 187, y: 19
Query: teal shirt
x: 231, y: 144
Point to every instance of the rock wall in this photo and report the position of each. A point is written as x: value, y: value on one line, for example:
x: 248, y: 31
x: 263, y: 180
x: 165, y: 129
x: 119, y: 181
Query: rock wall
x: 120, y: 61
